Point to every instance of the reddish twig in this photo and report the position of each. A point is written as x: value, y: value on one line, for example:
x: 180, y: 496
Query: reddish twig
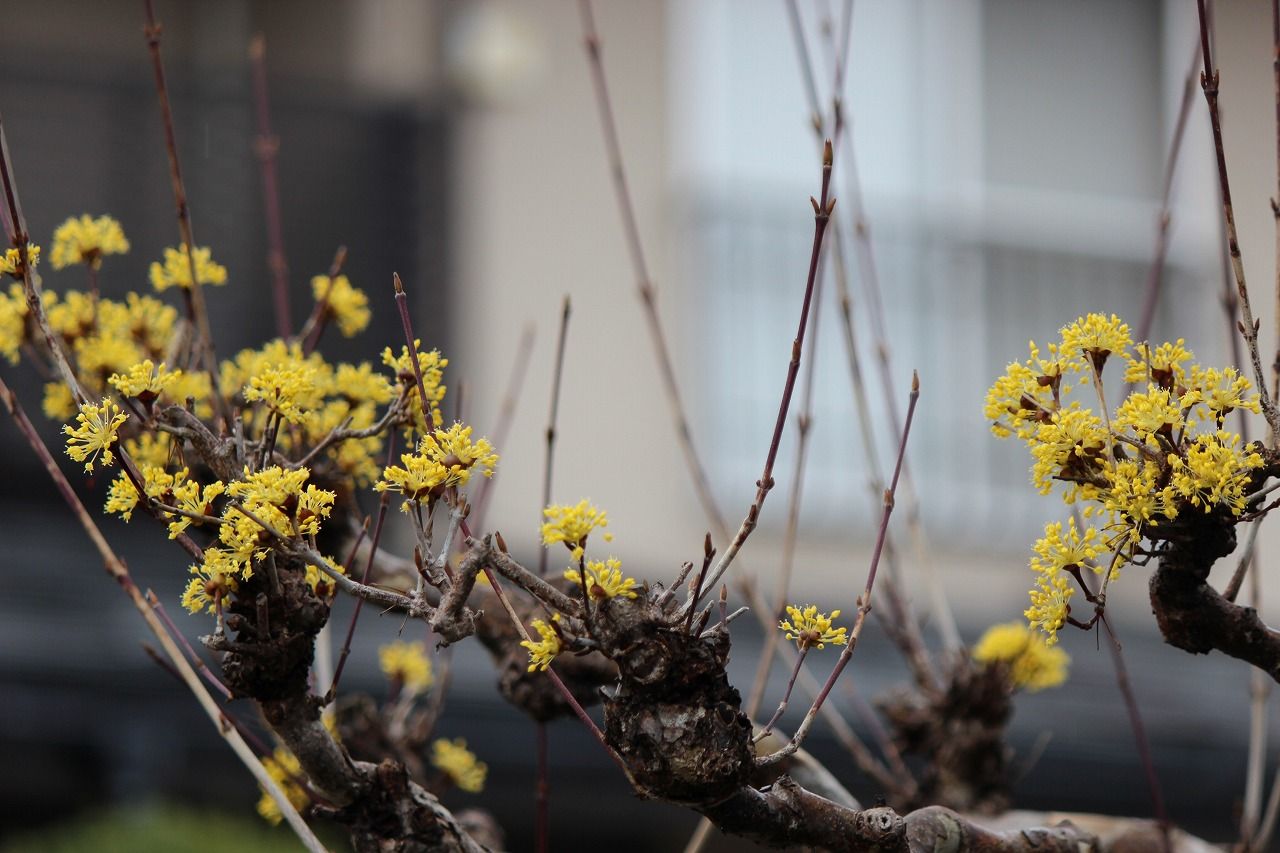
x: 556, y: 376
x: 1139, y: 731
x: 864, y: 600
x: 193, y: 295
x: 1248, y: 326
x: 267, y: 147
x: 822, y: 208
x: 319, y: 317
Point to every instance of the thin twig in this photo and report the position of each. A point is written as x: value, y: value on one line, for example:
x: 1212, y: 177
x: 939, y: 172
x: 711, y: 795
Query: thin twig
x: 901, y: 624
x: 1248, y: 326
x: 194, y: 294
x: 864, y: 600
x: 311, y: 331
x: 1139, y: 731
x: 196, y: 660
x: 548, y: 463
x: 266, y: 146
x: 1155, y: 274
x: 822, y: 208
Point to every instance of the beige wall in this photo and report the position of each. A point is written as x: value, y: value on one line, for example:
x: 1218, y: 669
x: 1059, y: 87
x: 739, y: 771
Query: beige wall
x: 538, y: 220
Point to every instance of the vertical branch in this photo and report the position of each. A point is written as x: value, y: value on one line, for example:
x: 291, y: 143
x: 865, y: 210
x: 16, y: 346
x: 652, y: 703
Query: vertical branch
x: 804, y: 423
x: 542, y: 787
x: 1155, y: 275
x: 822, y: 208
x: 548, y: 464
x: 864, y: 600
x: 1248, y: 326
x: 1139, y: 731
x: 194, y: 296
x: 645, y: 287
x: 903, y: 627
x: 267, y: 147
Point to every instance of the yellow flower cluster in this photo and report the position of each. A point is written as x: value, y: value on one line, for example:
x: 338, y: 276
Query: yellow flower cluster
x: 11, y: 261
x: 176, y: 269
x: 572, y: 524
x: 13, y: 323
x: 1032, y: 662
x: 289, y: 390
x: 604, y: 579
x: 145, y: 380
x: 97, y: 428
x: 549, y: 643
x: 406, y: 664
x: 811, y: 629
x: 85, y: 240
x: 346, y: 304
x: 314, y: 396
x: 286, y: 772
x: 1133, y: 470
x: 432, y: 365
x: 459, y: 763
x: 445, y: 458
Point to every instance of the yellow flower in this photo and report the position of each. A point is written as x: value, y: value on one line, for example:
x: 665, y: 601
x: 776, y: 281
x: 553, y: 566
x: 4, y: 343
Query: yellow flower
x: 144, y: 380
x: 100, y: 355
x: 11, y: 261
x: 1135, y: 492
x: 74, y: 316
x: 59, y: 403
x: 192, y: 385
x: 1056, y: 551
x: 347, y: 304
x: 86, y: 240
x: 285, y: 770
x: 96, y: 431
x: 1147, y: 413
x: 458, y: 454
x: 194, y: 498
x: 361, y: 384
x: 1068, y: 447
x: 1163, y: 366
x: 432, y: 365
x: 1221, y: 392
x: 415, y: 480
x: 1032, y: 662
x: 273, y: 486
x: 549, y: 644
x: 459, y: 764
x: 572, y: 524
x: 1095, y: 337
x: 1215, y: 471
x: 604, y: 579
x: 408, y: 664
x: 176, y: 269
x: 811, y: 629
x: 212, y: 583
x: 289, y: 390
x: 1050, y: 603
x: 159, y: 484
x: 13, y: 323
x: 445, y: 458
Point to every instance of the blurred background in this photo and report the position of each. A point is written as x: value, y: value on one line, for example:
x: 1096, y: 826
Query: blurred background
x: 1011, y: 156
